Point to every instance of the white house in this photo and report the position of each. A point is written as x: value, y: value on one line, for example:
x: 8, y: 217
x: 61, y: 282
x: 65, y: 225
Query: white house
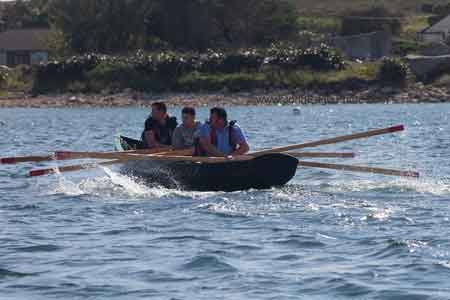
x: 438, y: 33
x: 24, y: 46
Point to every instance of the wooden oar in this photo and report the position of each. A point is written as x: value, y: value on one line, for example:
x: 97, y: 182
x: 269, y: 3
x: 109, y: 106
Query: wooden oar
x: 77, y: 155
x: 42, y: 172
x: 362, y: 169
x: 68, y: 155
x: 136, y: 157
x: 322, y: 154
x: 64, y: 155
x: 168, y: 157
x: 23, y: 159
x: 335, y: 140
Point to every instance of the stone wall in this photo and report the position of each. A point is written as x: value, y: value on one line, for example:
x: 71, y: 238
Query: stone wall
x: 424, y: 67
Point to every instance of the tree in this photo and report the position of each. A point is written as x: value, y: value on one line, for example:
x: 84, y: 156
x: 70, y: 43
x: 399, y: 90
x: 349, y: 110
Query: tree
x: 377, y: 18
x: 100, y: 25
x: 199, y: 24
x: 26, y: 14
x: 123, y: 25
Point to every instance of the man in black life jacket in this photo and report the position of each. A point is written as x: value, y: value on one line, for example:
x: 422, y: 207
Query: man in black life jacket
x: 159, y: 127
x: 220, y: 138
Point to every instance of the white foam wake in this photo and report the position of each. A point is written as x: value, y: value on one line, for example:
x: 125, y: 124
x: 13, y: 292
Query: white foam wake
x: 437, y: 187
x: 116, y: 185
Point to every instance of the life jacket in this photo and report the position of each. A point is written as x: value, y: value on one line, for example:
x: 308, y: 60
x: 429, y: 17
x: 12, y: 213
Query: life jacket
x: 163, y: 133
x: 199, y: 151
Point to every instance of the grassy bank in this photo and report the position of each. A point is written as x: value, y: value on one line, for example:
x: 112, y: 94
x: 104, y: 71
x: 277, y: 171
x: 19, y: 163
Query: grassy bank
x: 114, y: 80
x: 281, y: 66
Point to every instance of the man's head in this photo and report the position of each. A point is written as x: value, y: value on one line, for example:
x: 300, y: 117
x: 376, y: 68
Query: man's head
x: 218, y: 117
x: 188, y: 116
x: 159, y: 111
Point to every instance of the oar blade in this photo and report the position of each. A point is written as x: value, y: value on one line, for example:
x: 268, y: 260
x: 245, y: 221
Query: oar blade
x: 72, y: 168
x: 24, y: 159
x: 396, y: 128
x: 8, y: 160
x: 41, y: 172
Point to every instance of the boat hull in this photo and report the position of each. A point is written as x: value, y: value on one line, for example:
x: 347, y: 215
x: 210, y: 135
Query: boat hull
x: 262, y: 172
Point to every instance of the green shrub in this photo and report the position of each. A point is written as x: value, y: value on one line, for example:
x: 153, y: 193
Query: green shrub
x: 393, y: 71
x: 119, y: 76
x: 196, y: 81
x: 16, y: 79
x: 319, y: 24
x: 3, y: 76
x: 405, y: 47
x: 160, y: 71
x: 289, y: 57
x: 375, y: 18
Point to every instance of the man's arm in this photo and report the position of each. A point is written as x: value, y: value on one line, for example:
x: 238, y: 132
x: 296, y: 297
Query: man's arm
x: 242, y: 144
x: 177, y: 139
x: 242, y: 149
x: 210, y: 149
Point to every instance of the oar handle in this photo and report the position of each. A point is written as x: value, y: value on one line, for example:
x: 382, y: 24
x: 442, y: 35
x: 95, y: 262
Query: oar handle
x: 66, y: 155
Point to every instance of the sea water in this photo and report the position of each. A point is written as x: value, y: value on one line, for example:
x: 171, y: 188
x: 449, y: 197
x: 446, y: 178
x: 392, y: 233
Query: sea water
x: 98, y: 234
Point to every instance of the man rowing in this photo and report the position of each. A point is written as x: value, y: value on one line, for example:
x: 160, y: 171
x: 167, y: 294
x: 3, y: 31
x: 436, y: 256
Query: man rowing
x: 159, y: 127
x: 220, y: 138
x: 183, y: 136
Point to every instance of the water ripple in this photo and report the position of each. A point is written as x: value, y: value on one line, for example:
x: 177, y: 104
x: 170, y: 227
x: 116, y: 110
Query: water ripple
x: 39, y: 248
x: 99, y: 234
x: 207, y: 264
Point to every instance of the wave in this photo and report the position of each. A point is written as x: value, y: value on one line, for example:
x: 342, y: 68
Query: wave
x: 5, y: 273
x: 39, y: 248
x: 436, y: 187
x: 413, y: 247
x: 208, y: 263
x: 115, y: 185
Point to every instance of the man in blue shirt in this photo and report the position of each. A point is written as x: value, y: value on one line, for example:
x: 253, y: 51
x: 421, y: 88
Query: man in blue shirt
x: 220, y: 138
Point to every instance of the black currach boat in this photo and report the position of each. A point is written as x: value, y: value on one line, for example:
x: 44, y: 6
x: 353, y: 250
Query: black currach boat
x: 262, y: 172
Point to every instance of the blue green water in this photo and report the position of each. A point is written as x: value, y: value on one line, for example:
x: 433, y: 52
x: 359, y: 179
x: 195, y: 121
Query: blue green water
x: 98, y: 234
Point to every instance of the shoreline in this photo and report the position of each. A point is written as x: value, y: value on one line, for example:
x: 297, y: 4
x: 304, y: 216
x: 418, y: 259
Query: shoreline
x: 418, y: 93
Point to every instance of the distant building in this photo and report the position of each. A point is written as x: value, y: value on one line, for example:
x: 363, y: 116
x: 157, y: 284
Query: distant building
x: 438, y: 33
x: 24, y: 47
x: 366, y: 46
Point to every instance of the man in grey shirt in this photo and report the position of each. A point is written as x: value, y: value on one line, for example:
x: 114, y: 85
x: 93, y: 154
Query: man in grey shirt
x: 184, y: 135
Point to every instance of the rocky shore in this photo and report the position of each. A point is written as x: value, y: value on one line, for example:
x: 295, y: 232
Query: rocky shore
x: 417, y: 93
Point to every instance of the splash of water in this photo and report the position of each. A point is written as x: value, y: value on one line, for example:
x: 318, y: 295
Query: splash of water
x: 437, y: 187
x: 115, y: 184
x: 131, y: 187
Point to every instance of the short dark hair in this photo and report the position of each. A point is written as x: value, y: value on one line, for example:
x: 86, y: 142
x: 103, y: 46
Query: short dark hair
x: 189, y: 111
x: 220, y: 112
x: 161, y: 106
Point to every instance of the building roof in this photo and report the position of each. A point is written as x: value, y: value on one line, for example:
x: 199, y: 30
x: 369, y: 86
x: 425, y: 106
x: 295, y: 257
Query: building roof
x: 25, y: 39
x: 441, y: 26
